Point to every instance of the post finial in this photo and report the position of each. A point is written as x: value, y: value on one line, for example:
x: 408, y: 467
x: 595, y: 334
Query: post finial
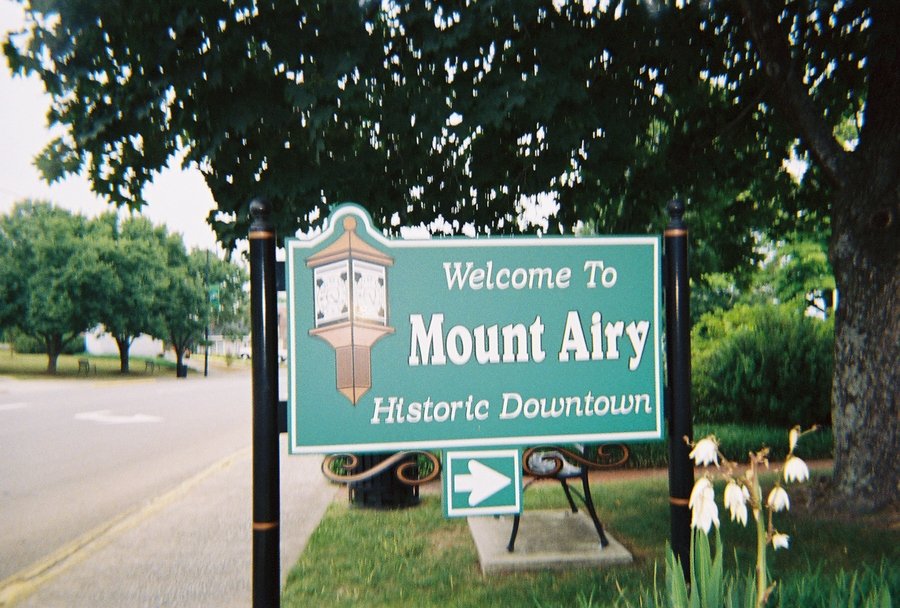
x: 676, y: 209
x: 261, y: 216
x: 676, y: 214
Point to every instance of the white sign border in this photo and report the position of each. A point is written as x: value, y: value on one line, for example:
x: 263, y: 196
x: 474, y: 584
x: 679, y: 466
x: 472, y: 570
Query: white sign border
x: 450, y: 456
x: 362, y: 215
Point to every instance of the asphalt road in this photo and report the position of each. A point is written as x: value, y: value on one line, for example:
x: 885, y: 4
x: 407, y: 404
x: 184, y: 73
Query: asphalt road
x: 154, y: 473
x: 74, y: 454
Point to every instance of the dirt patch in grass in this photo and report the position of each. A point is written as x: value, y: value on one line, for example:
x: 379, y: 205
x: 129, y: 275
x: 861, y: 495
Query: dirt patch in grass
x: 817, y: 500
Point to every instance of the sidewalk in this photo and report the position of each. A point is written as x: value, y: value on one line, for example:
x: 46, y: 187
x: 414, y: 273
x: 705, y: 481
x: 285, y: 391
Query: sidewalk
x: 191, y: 547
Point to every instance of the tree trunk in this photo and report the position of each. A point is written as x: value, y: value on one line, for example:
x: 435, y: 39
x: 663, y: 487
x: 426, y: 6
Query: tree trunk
x: 54, y: 347
x: 124, y: 345
x: 867, y: 350
x: 865, y: 251
x: 179, y: 360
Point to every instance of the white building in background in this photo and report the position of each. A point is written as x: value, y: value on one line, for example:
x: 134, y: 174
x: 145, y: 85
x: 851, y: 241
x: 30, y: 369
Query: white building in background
x: 98, y: 342
x: 241, y: 346
x: 220, y: 345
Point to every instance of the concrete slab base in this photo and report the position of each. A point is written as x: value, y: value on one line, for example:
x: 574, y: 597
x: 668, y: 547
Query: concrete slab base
x: 547, y: 540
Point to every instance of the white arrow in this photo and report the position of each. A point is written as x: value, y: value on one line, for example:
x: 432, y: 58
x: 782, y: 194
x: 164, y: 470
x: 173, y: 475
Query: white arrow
x: 107, y: 417
x: 482, y: 481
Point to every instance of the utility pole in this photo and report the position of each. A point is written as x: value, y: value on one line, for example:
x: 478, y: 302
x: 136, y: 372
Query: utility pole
x: 208, y: 304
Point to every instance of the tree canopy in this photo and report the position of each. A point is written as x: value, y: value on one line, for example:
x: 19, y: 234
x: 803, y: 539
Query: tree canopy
x: 62, y: 275
x: 184, y: 317
x: 197, y: 292
x: 228, y: 302
x: 133, y: 290
x: 423, y: 112
x: 48, y: 272
x: 465, y: 112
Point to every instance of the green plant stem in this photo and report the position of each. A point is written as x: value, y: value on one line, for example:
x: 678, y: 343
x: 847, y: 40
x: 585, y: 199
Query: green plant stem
x: 761, y: 528
x: 761, y: 584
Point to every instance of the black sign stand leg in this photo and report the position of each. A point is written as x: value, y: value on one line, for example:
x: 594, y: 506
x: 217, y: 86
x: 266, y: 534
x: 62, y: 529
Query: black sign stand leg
x: 678, y: 360
x: 264, y: 331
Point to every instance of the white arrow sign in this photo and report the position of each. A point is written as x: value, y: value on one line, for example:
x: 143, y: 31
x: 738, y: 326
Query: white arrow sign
x: 482, y: 481
x: 107, y: 417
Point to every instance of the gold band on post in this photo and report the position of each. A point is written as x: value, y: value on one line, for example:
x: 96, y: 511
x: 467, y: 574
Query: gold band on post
x: 676, y: 232
x: 261, y: 234
x: 678, y: 502
x: 265, y: 525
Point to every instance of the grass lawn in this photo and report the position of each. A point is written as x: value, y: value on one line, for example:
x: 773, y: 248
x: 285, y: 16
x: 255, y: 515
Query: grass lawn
x: 415, y: 557
x: 35, y: 366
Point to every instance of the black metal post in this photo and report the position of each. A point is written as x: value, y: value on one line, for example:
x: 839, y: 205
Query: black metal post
x: 264, y: 332
x: 678, y: 363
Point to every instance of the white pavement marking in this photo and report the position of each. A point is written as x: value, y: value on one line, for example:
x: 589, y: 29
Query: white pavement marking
x: 107, y: 417
x: 30, y: 578
x: 6, y: 407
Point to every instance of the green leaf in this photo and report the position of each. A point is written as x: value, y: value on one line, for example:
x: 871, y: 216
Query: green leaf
x: 676, y: 588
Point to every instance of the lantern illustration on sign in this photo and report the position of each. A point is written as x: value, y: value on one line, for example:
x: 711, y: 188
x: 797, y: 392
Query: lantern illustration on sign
x: 350, y: 291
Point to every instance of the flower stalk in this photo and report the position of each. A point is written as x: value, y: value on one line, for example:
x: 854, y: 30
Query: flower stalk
x: 745, y: 490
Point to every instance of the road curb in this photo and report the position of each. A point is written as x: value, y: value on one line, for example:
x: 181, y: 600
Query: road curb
x: 27, y: 580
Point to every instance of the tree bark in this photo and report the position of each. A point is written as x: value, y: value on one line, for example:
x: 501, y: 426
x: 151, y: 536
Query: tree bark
x: 53, y: 346
x: 866, y: 375
x: 179, y: 359
x: 124, y: 345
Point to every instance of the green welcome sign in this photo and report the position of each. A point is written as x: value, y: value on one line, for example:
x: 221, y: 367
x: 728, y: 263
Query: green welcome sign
x: 458, y: 342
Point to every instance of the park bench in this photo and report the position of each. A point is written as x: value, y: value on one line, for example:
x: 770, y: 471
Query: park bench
x: 570, y: 465
x: 84, y: 365
x: 149, y: 367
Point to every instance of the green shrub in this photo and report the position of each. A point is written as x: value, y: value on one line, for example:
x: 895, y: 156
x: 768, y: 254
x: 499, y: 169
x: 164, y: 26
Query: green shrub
x: 648, y: 455
x: 28, y: 345
x: 763, y: 364
x: 737, y: 440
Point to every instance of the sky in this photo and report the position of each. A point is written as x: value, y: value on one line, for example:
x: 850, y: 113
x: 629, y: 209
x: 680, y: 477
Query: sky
x: 177, y: 198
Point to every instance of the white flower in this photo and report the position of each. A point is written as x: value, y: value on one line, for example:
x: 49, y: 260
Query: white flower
x: 700, y: 486
x: 793, y: 436
x: 795, y: 469
x: 778, y: 499
x: 780, y: 541
x: 705, y: 451
x: 702, y: 503
x: 736, y: 497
